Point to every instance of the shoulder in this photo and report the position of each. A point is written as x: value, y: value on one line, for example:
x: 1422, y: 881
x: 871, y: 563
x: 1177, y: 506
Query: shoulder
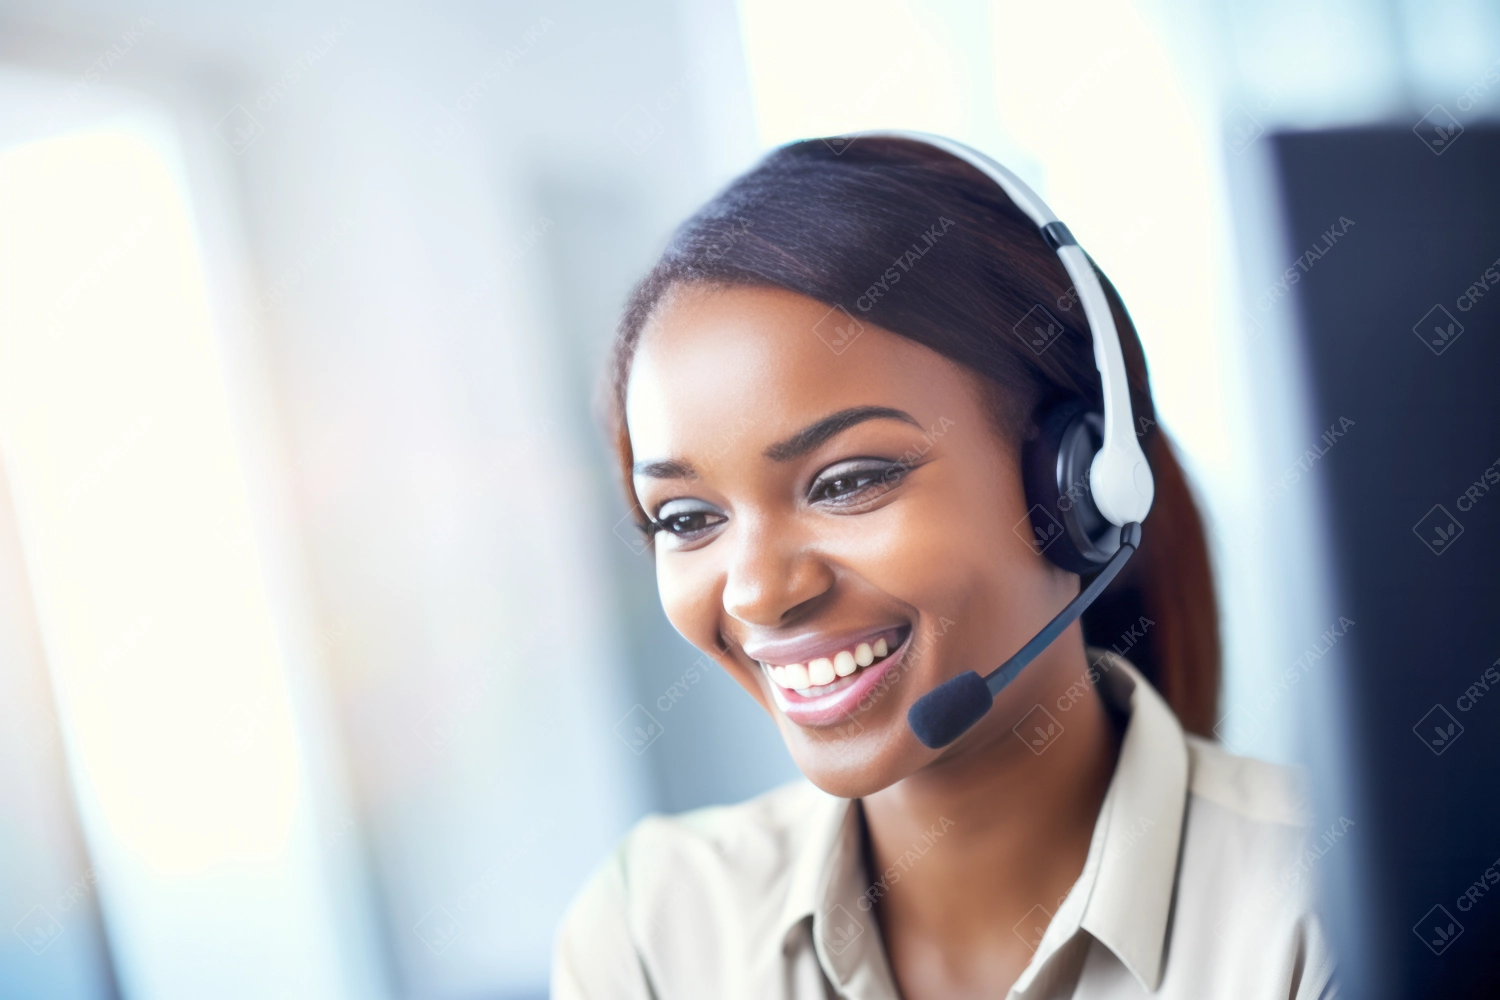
x: 1246, y: 826
x: 1249, y: 860
x: 676, y: 880
x: 750, y: 838
x: 1251, y: 789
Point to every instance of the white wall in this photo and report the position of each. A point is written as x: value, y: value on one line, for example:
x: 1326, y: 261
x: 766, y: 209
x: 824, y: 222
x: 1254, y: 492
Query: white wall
x: 416, y: 233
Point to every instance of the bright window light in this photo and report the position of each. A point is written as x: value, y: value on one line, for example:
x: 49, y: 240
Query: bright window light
x: 886, y: 69
x: 116, y: 434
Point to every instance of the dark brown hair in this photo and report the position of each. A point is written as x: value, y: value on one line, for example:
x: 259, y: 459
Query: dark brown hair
x: 918, y: 242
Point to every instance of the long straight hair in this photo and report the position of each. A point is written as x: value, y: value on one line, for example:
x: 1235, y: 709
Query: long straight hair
x: 909, y: 238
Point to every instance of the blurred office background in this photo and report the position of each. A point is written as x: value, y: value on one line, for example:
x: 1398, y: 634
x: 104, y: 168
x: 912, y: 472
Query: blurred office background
x: 327, y: 668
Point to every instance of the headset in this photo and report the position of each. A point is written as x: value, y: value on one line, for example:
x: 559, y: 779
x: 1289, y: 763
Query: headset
x: 1088, y: 486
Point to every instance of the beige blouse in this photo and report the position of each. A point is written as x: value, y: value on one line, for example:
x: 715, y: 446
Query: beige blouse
x: 1196, y: 885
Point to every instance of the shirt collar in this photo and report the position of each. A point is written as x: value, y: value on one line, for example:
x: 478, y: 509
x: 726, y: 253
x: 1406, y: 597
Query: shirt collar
x: 1140, y: 829
x: 828, y: 884
x: 1126, y: 887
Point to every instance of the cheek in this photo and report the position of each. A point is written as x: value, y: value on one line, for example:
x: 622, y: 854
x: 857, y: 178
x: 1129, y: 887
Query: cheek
x: 950, y: 552
x: 683, y: 603
x: 947, y: 544
x: 688, y: 597
x: 691, y: 598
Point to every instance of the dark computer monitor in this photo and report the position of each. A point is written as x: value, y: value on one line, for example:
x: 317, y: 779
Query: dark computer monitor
x: 1397, y: 324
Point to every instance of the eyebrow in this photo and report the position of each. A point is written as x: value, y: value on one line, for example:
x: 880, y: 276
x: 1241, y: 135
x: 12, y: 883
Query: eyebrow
x: 816, y: 433
x: 795, y: 446
x: 665, y: 469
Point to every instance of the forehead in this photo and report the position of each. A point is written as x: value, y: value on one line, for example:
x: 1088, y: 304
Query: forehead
x: 716, y: 365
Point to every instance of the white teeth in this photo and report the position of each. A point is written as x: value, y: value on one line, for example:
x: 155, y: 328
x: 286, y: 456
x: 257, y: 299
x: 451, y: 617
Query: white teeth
x: 820, y: 671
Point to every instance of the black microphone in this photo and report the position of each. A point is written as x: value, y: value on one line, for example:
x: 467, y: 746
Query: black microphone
x: 946, y: 712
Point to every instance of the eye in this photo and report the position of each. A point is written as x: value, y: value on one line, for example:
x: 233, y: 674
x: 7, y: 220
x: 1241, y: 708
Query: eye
x: 856, y: 482
x: 688, y: 520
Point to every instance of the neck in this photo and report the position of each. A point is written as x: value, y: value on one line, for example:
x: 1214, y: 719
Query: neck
x: 988, y: 832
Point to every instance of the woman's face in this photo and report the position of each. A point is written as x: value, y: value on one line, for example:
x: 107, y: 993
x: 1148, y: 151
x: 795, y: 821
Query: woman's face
x: 821, y: 508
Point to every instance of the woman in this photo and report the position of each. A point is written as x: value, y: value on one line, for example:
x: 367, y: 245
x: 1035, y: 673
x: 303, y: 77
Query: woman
x: 822, y: 394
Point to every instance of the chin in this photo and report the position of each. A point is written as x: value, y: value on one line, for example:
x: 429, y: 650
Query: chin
x: 863, y: 767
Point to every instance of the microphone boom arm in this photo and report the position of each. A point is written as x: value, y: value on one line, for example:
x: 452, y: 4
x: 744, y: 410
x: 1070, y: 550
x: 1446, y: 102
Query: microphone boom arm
x: 946, y: 712
x: 1002, y: 675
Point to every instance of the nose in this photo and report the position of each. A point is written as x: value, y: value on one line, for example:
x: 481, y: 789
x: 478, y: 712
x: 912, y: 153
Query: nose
x: 771, y: 573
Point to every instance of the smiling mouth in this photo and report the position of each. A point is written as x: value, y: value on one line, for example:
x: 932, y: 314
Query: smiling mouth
x: 825, y: 675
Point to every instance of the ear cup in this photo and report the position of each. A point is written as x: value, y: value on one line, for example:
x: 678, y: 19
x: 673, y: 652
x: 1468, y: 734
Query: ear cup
x: 1066, y: 525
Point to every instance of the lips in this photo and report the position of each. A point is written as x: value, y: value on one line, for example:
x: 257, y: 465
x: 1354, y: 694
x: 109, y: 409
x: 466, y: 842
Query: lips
x: 849, y: 669
x: 832, y: 661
